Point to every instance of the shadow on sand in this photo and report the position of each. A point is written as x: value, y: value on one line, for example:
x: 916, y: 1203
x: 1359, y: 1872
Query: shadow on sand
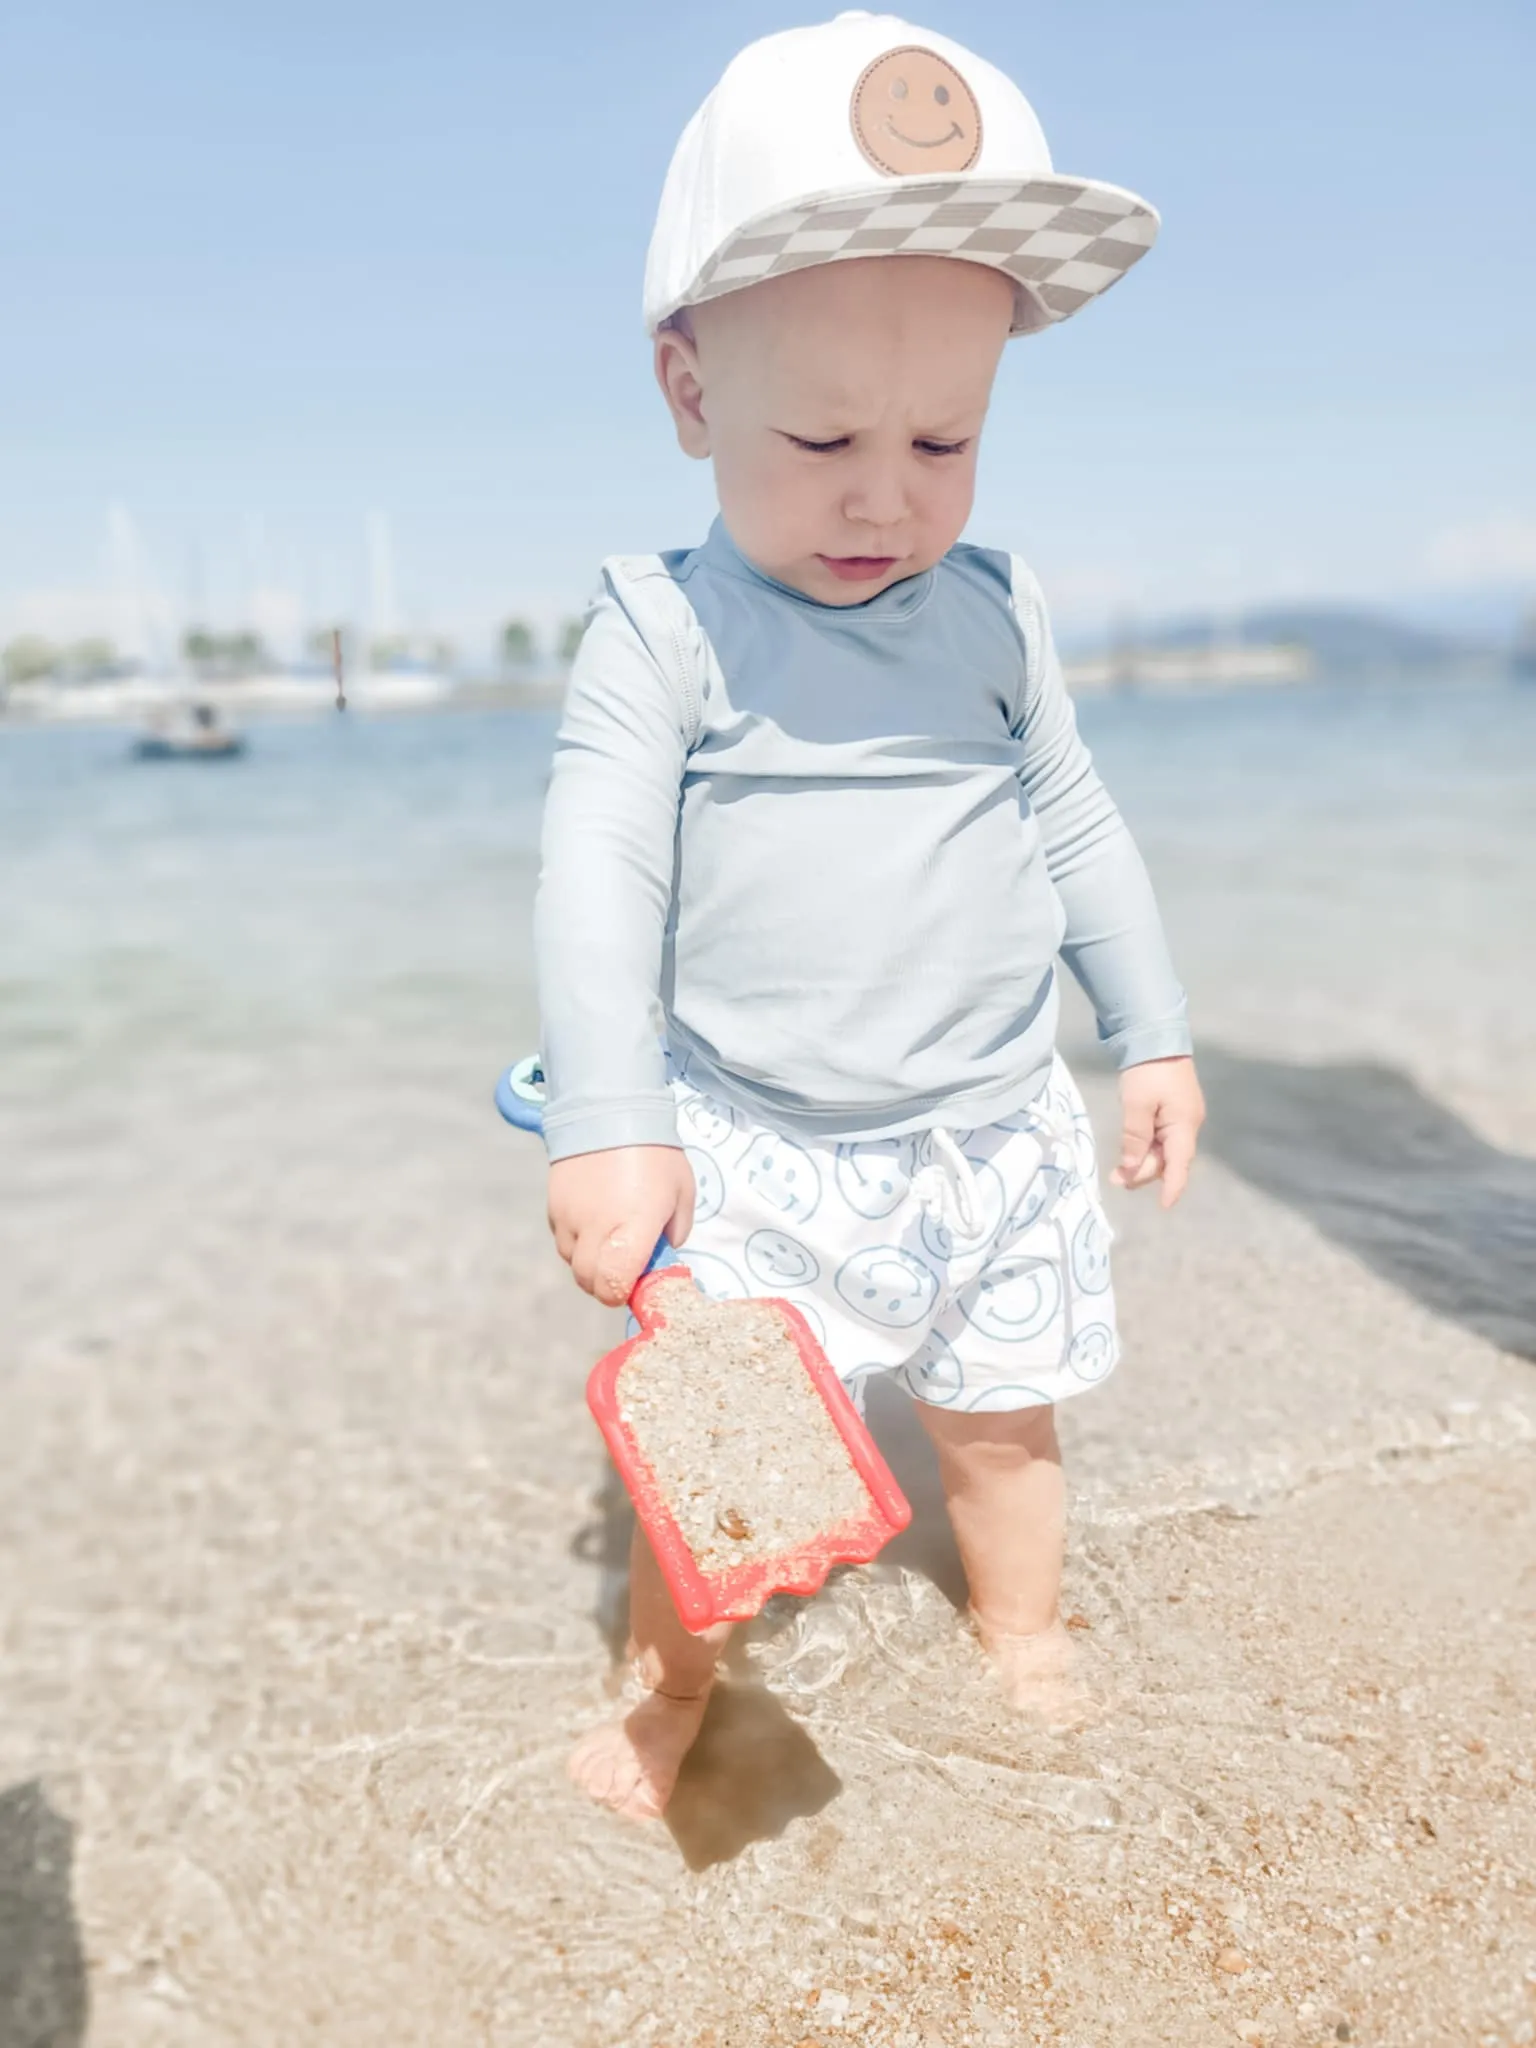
x: 754, y: 1769
x: 603, y: 1542
x: 1387, y: 1173
x: 44, y: 2001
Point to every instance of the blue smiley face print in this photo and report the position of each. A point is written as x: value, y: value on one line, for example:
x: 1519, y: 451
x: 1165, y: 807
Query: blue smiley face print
x: 815, y: 1321
x: 1006, y: 1399
x: 873, y: 1178
x: 1032, y: 1204
x: 776, y: 1260
x: 887, y: 1285
x: 715, y: 1276
x: 936, y: 1375
x: 703, y: 1121
x: 708, y: 1184
x: 1093, y: 1352
x: 783, y: 1176
x: 1015, y: 1299
x: 1090, y: 1254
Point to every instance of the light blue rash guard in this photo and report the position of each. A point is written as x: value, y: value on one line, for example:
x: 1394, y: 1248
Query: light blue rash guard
x: 828, y: 855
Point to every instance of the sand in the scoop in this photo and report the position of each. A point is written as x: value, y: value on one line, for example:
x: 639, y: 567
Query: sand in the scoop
x: 745, y: 1454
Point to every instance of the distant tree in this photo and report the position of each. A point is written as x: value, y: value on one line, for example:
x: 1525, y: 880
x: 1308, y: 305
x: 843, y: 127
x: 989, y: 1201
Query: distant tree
x: 28, y: 659
x: 237, y: 654
x: 92, y: 658
x: 570, y: 638
x: 393, y: 652
x: 518, y: 646
x: 406, y: 650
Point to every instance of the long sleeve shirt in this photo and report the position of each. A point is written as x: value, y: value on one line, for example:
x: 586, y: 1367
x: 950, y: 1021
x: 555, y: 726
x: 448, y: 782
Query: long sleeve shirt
x: 828, y: 856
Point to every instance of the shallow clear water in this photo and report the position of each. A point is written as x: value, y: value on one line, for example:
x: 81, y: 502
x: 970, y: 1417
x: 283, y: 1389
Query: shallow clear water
x: 346, y: 880
x: 306, y: 1530
x: 1346, y: 873
x: 1343, y: 872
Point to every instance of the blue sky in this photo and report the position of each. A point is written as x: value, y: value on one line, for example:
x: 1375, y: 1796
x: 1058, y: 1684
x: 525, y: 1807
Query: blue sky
x: 271, y: 269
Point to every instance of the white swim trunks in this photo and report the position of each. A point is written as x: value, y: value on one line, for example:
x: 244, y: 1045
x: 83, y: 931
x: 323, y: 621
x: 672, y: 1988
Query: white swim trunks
x: 973, y: 1264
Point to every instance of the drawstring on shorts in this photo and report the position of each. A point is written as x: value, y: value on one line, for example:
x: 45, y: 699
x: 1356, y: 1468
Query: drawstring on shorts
x: 946, y: 1188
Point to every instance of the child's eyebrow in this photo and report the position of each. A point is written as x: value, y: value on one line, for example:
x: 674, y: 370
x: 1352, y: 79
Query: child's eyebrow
x: 824, y: 411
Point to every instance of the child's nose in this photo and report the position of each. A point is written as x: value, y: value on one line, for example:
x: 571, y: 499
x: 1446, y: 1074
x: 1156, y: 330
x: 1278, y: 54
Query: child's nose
x: 877, y: 495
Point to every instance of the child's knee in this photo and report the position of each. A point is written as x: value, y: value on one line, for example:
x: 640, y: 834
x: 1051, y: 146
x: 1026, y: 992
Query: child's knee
x: 999, y: 1440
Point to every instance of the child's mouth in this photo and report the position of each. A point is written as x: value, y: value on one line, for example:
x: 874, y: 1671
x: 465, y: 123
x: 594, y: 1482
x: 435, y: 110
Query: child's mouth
x: 858, y: 568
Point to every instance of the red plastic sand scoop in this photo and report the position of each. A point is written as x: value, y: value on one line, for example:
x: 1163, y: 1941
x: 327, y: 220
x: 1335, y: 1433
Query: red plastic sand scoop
x: 711, y: 1457
x: 706, y: 1581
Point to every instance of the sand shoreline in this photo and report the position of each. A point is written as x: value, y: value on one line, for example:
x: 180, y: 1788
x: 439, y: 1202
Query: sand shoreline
x: 310, y: 1568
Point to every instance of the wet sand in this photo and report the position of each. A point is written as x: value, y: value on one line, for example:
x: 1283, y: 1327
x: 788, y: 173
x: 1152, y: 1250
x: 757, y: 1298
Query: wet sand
x: 310, y: 1571
x: 311, y: 1574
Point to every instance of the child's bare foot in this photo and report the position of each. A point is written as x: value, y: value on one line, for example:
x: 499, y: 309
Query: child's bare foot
x: 632, y: 1765
x: 1039, y: 1674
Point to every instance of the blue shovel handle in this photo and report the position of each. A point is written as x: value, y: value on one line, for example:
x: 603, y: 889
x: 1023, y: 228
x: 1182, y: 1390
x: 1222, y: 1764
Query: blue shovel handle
x: 520, y: 1095
x: 520, y: 1099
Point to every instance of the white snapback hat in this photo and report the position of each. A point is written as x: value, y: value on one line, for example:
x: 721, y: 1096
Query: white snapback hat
x: 865, y: 136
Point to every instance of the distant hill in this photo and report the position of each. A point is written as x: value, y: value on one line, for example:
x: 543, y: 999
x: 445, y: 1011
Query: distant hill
x: 1340, y: 638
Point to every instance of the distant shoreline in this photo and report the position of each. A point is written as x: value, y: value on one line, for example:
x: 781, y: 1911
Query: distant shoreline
x: 129, y: 705
x: 263, y: 699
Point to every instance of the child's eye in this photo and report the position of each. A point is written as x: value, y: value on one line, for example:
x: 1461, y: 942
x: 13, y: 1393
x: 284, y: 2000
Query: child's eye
x: 819, y: 447
x: 942, y: 447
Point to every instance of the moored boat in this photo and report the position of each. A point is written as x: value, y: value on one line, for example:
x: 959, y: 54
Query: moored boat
x: 192, y: 733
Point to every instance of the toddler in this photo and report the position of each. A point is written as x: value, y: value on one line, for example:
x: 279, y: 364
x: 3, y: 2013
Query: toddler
x: 820, y: 824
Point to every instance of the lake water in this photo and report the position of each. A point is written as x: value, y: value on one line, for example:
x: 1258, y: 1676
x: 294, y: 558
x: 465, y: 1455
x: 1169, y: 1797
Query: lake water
x: 313, y: 1567
x: 1345, y: 873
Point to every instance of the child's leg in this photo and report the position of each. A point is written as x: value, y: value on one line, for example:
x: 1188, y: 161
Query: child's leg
x: 632, y: 1764
x: 1006, y: 1497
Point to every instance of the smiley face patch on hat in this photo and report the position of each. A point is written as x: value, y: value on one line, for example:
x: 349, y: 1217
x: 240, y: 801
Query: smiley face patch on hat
x: 902, y: 143
x: 912, y: 111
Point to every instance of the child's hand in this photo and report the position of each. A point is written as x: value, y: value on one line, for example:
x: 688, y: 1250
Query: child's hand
x: 607, y: 1210
x: 1162, y: 1110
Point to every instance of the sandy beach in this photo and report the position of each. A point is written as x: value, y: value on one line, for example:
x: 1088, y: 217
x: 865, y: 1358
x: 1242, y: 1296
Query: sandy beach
x: 312, y: 1570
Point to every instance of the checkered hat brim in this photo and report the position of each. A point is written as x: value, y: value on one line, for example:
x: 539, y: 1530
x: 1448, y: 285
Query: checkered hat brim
x: 1062, y: 240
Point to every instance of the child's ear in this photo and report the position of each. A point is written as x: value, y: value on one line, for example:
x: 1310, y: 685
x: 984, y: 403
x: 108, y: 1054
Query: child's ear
x: 677, y: 372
